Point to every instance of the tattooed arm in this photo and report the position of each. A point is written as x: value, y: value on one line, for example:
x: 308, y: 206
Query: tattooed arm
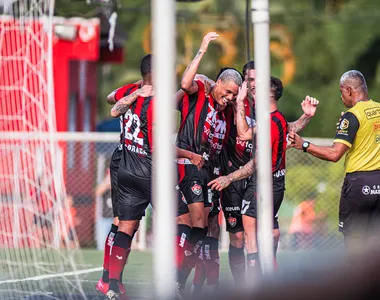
x: 224, y: 181
x: 124, y: 103
x: 309, y: 107
x: 187, y: 83
x: 244, y: 132
x: 114, y: 96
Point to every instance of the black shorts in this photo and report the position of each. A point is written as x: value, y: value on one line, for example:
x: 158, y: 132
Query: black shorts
x: 249, y: 203
x: 114, y: 168
x: 133, y: 195
x: 182, y: 208
x: 231, y: 204
x: 359, y: 209
x: 192, y: 184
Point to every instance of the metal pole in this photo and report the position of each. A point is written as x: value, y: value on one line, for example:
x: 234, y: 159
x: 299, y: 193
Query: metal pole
x: 163, y: 35
x: 260, y: 18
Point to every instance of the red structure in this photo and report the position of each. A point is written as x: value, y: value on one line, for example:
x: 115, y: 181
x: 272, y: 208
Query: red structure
x: 78, y: 50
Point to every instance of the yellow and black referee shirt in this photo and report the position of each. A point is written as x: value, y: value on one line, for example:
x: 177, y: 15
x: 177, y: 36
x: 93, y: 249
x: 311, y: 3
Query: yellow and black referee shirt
x: 359, y: 129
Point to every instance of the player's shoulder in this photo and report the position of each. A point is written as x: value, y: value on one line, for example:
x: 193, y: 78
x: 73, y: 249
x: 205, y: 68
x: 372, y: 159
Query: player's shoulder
x: 278, y: 116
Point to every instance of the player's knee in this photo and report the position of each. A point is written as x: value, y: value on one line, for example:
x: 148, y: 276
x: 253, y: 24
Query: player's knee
x: 237, y: 239
x: 184, y: 220
x: 128, y: 227
x: 276, y: 235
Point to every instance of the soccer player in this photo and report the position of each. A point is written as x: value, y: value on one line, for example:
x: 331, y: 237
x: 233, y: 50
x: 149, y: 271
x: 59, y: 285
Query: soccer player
x: 133, y: 91
x: 134, y: 173
x: 236, y: 153
x: 202, y: 131
x: 248, y: 202
x: 358, y: 136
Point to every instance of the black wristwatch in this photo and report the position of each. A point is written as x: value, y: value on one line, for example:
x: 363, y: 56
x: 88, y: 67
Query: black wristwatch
x: 305, y: 145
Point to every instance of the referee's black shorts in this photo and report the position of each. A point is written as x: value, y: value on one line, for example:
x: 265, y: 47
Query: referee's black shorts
x: 359, y: 208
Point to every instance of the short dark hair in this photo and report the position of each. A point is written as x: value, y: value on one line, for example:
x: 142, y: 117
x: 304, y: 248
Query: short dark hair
x: 227, y: 68
x: 248, y: 66
x: 276, y: 87
x: 146, y: 65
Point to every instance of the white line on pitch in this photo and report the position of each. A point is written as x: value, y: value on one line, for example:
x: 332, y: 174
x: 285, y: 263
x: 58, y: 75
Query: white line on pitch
x: 42, y: 277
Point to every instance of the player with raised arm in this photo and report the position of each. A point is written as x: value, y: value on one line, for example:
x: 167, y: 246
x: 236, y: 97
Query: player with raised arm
x: 236, y: 153
x: 247, y: 202
x: 134, y: 173
x: 202, y: 131
x: 129, y: 92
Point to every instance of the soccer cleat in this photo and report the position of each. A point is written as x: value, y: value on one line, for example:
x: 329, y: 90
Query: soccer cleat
x: 179, y: 291
x: 122, y: 292
x: 102, y: 286
x: 112, y: 295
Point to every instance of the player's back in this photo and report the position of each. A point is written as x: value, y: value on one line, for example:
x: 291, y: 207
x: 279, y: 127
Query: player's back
x: 138, y: 145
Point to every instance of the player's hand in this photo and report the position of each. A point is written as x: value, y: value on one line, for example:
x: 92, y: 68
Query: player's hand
x: 207, y: 82
x: 219, y: 183
x: 295, y: 140
x: 197, y: 160
x: 309, y: 106
x: 145, y: 91
x: 340, y: 119
x: 243, y: 92
x: 211, y: 36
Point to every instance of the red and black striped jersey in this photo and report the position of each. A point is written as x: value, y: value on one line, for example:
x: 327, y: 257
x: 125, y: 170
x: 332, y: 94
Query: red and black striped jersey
x: 138, y: 144
x: 236, y: 152
x: 203, y: 128
x: 279, y: 131
x: 121, y: 92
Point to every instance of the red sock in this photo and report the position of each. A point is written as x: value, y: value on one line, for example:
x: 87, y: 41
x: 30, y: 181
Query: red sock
x: 183, y: 233
x: 107, y: 250
x: 119, y: 255
x: 211, y: 260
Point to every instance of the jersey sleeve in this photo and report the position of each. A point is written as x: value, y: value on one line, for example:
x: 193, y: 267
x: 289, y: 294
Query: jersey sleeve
x: 123, y: 91
x: 347, y: 129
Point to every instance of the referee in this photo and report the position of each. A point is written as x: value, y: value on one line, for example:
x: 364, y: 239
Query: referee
x: 358, y: 135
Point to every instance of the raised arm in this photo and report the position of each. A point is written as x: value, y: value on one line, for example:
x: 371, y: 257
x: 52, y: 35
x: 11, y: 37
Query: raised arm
x: 187, y: 83
x: 309, y: 107
x: 244, y: 132
x: 124, y: 103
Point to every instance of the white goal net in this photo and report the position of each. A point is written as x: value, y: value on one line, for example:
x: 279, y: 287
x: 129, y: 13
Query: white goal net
x: 38, y: 244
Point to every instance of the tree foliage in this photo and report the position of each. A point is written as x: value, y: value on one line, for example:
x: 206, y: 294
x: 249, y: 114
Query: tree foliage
x: 312, y: 44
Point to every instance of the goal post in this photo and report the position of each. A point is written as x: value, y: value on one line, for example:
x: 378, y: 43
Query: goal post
x: 36, y: 238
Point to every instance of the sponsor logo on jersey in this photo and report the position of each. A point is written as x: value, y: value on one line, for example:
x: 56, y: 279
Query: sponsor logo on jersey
x: 197, y: 189
x: 372, y: 113
x: 376, y: 126
x: 279, y: 173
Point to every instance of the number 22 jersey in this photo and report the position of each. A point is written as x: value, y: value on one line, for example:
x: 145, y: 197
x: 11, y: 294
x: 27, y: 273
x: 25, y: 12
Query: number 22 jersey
x: 137, y: 138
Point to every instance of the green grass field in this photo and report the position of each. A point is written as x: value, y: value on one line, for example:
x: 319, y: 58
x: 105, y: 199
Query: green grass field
x: 138, y: 276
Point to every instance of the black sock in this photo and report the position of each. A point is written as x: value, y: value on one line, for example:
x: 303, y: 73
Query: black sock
x: 252, y: 260
x: 236, y: 260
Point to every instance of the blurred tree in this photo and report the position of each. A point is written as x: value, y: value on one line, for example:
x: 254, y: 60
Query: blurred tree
x: 312, y: 43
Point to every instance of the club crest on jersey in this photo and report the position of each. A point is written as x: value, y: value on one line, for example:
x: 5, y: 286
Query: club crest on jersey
x: 197, y: 189
x: 231, y: 221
